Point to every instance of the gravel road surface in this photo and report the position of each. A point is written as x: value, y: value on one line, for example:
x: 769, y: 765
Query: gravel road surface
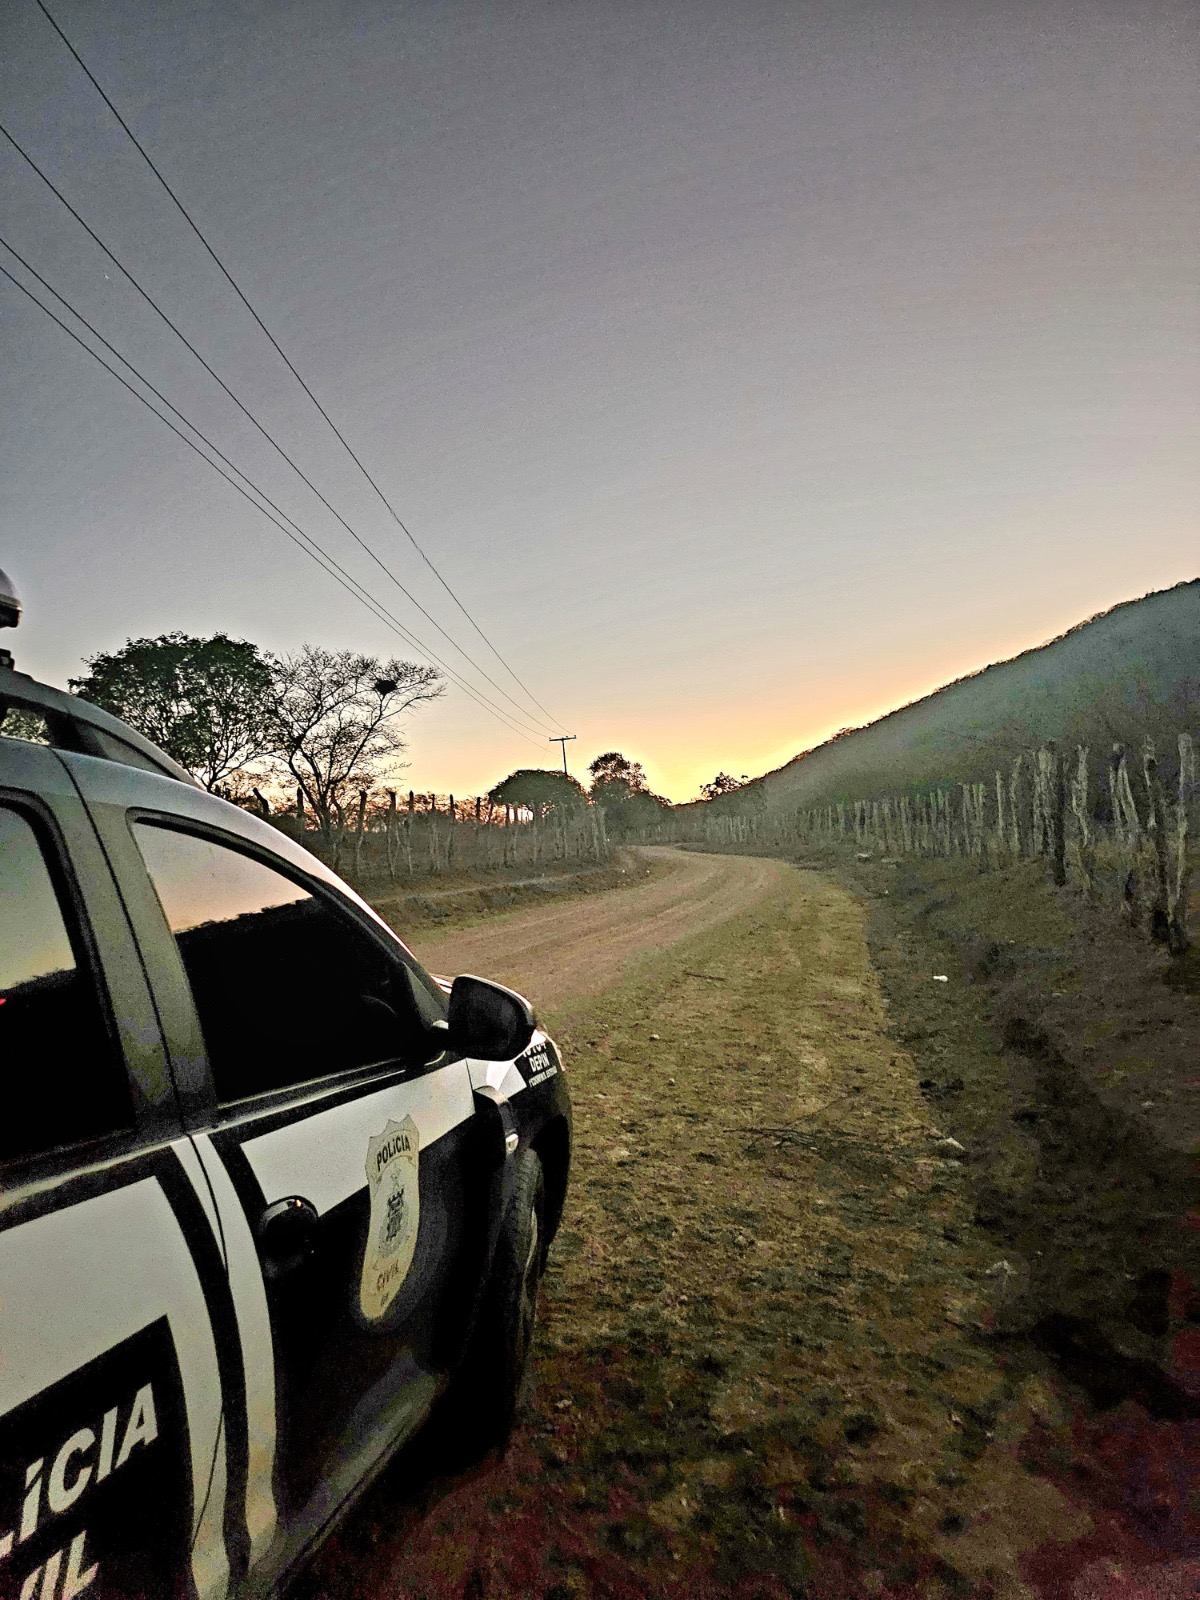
x: 569, y: 953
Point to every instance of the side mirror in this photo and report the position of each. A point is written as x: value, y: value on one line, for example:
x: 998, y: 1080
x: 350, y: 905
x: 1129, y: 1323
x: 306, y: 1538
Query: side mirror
x: 488, y: 1021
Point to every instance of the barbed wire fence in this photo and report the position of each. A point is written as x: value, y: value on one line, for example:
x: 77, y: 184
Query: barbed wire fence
x: 384, y: 834
x: 1116, y: 830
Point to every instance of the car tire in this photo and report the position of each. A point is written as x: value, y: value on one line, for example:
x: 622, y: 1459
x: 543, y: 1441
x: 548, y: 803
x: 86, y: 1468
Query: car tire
x: 487, y: 1392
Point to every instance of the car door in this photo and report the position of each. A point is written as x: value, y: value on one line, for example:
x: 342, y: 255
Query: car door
x: 339, y: 1151
x: 114, y: 1311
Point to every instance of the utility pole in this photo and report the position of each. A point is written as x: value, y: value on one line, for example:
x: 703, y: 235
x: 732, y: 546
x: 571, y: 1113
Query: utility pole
x: 562, y: 739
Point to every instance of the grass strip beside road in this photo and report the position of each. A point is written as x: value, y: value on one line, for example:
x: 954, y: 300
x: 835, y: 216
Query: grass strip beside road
x: 465, y: 900
x: 761, y: 1367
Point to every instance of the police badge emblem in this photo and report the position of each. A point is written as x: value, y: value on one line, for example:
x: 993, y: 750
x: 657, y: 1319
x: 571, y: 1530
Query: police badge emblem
x: 392, y: 1169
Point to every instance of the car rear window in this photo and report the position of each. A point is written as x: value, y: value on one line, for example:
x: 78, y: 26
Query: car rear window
x: 288, y: 987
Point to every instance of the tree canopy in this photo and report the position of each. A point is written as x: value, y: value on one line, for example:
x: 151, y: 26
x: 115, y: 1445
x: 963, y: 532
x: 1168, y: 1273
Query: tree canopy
x: 620, y: 787
x: 543, y: 791
x: 327, y: 719
x: 613, y: 769
x: 203, y: 701
x: 334, y: 720
x: 723, y: 784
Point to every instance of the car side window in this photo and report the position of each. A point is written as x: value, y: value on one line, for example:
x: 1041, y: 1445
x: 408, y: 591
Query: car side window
x: 63, y: 1078
x: 288, y: 987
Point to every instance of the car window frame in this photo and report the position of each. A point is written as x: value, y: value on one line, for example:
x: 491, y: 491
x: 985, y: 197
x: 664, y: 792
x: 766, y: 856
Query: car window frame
x: 193, y: 1060
x: 17, y: 1172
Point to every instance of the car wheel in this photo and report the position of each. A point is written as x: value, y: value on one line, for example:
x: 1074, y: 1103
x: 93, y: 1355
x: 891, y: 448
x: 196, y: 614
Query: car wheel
x: 487, y: 1392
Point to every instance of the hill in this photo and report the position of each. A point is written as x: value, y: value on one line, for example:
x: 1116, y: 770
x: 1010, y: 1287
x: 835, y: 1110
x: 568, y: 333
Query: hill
x: 1129, y: 673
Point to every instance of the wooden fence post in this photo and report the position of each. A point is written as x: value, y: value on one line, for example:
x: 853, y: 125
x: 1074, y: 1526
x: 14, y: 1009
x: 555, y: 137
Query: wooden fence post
x: 1058, y: 816
x: 358, y: 832
x: 435, y: 859
x: 979, y: 806
x: 1079, y: 810
x: 1129, y: 835
x: 1115, y: 798
x: 1156, y: 831
x: 1037, y: 846
x: 337, y: 821
x: 1156, y: 834
x: 1130, y: 821
x: 1014, y: 806
x: 488, y: 837
x: 1177, y: 909
x: 390, y: 835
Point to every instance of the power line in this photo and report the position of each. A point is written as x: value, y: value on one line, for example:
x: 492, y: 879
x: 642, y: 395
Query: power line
x: 308, y: 543
x: 380, y: 610
x: 179, y: 334
x: 363, y: 594
x: 305, y: 541
x: 194, y: 226
x: 244, y: 409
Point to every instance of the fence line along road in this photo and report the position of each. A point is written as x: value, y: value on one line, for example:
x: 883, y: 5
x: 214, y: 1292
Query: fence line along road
x: 1127, y: 842
x: 382, y: 837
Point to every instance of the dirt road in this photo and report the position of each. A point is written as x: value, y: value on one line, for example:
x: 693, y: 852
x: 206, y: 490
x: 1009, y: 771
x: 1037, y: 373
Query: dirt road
x: 766, y: 1365
x: 564, y: 955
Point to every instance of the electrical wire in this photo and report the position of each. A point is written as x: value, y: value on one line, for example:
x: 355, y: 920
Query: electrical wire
x: 304, y: 540
x: 153, y: 304
x: 229, y: 278
x: 182, y: 209
x: 334, y: 567
x: 299, y: 536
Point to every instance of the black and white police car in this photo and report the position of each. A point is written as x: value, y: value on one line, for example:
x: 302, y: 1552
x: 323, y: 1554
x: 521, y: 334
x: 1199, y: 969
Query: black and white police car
x: 269, y: 1195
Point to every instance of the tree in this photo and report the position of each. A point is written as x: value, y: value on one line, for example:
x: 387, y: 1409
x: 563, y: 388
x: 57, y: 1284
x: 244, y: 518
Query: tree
x: 612, y: 768
x: 723, y: 784
x: 334, y: 721
x: 619, y: 786
x: 542, y: 791
x: 203, y: 701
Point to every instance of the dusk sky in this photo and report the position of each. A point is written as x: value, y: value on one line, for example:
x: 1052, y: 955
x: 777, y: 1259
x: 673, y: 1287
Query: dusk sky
x: 748, y: 369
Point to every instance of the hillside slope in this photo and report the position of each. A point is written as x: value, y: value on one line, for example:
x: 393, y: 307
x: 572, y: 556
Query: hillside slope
x: 1132, y: 671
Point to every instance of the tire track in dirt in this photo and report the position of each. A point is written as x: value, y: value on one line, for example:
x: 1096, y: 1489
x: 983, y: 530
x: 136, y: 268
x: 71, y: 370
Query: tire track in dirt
x: 561, y: 956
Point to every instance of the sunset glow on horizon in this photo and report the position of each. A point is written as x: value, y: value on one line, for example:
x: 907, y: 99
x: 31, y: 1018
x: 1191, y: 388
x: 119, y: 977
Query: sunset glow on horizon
x: 745, y: 378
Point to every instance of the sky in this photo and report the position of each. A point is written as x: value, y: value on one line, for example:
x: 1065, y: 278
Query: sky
x: 746, y: 370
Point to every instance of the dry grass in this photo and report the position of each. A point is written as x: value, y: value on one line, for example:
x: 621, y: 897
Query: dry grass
x: 764, y: 1366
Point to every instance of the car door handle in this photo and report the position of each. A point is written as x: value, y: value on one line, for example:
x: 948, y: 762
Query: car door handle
x: 287, y: 1235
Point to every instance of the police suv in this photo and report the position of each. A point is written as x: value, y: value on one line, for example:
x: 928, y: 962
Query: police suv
x: 268, y: 1191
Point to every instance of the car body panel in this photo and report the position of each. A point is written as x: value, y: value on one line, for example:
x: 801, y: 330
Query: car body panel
x: 112, y: 1284
x: 162, y: 1222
